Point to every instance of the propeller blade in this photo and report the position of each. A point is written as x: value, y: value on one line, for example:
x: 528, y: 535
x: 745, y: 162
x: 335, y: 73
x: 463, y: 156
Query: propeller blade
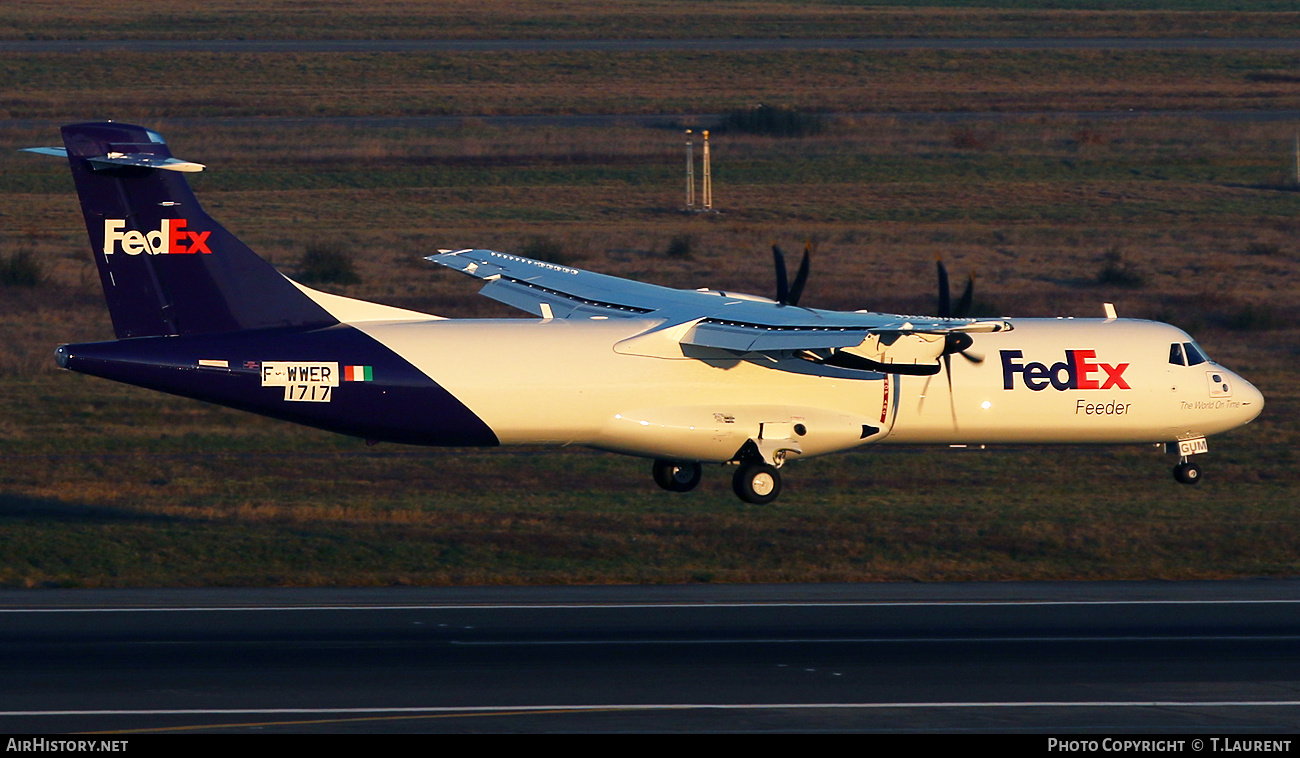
x: 800, y: 278
x: 963, y: 305
x: 782, y: 284
x: 955, y: 342
x: 952, y: 401
x: 925, y: 390
x: 945, y: 298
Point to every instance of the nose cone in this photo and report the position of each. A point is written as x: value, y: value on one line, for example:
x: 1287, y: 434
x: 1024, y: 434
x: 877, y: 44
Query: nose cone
x: 1251, y: 399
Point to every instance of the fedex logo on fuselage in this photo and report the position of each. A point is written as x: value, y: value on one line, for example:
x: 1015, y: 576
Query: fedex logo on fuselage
x: 1079, y: 371
x: 171, y: 239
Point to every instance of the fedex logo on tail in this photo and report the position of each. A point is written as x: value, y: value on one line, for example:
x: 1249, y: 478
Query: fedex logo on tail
x: 1079, y: 371
x: 172, y: 238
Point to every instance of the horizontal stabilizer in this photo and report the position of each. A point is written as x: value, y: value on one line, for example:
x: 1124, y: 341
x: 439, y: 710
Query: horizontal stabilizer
x: 58, y: 152
x: 137, y: 160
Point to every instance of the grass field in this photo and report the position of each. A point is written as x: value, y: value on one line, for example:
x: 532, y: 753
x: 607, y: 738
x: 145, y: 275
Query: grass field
x: 103, y: 485
x: 96, y: 85
x: 576, y: 19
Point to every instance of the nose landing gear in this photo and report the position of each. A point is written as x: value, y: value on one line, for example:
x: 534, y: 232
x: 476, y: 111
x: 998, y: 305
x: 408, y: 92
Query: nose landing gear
x: 1187, y: 472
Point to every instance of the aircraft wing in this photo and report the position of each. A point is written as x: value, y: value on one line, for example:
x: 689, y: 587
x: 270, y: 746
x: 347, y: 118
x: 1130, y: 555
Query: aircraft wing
x: 741, y: 323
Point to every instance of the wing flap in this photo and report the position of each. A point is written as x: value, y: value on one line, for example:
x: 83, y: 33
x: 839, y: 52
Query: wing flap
x: 526, y: 284
x: 754, y: 339
x: 536, y: 300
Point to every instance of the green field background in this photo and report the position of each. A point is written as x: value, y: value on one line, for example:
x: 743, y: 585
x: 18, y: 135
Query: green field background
x: 1043, y: 172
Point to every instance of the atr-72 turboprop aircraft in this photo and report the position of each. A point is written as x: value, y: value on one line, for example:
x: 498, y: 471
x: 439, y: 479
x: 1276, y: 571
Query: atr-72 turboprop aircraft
x: 681, y: 377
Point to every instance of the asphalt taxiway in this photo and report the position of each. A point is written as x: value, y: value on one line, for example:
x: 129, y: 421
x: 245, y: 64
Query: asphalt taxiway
x: 708, y: 45
x: 976, y: 657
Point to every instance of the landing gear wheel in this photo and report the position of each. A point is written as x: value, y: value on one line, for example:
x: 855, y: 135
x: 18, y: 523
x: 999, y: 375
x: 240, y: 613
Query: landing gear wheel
x: 677, y: 476
x: 757, y: 483
x: 1187, y: 472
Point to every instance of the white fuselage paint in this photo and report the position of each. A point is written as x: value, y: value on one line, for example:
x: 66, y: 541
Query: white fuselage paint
x: 1163, y: 402
x: 563, y: 382
x: 577, y: 382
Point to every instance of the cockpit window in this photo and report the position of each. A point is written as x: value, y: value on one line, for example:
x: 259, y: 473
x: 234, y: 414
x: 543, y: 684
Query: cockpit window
x: 1176, y: 354
x: 1194, y: 354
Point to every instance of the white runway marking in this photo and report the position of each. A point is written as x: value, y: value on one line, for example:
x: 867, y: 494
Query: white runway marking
x: 656, y: 606
x: 665, y: 707
x: 888, y: 640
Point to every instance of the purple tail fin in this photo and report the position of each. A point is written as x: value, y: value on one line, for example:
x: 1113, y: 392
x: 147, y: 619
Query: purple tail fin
x: 167, y: 267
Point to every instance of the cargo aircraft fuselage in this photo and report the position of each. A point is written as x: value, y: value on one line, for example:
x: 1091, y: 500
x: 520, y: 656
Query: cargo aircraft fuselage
x: 680, y: 377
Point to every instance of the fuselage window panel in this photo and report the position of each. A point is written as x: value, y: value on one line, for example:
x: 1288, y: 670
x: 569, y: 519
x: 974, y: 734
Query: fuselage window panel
x: 1176, y: 354
x: 1194, y: 354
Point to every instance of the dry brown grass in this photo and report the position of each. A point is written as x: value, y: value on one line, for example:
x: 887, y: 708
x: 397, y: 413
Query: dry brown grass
x: 196, y: 84
x: 577, y: 19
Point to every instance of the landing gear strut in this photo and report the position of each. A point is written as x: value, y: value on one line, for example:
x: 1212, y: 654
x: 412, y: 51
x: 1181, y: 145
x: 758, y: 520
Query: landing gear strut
x: 677, y: 476
x: 757, y: 482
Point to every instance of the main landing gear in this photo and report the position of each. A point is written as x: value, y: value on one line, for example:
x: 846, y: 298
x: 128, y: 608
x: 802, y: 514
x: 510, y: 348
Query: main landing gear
x: 755, y: 481
x: 677, y: 476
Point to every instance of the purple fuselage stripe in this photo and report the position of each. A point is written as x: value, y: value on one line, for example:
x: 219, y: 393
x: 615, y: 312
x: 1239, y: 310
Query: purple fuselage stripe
x: 400, y: 403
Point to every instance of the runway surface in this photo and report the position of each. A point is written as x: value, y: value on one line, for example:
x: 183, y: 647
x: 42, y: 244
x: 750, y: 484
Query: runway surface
x: 1052, y: 658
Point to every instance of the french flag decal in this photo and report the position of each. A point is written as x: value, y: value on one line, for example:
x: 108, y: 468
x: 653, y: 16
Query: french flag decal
x: 358, y: 374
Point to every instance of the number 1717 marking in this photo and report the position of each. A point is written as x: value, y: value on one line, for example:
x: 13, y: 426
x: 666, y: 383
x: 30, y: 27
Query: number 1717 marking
x: 307, y: 393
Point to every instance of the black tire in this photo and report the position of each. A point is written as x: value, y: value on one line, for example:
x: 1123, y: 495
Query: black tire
x: 757, y: 483
x: 677, y: 476
x: 1187, y: 473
